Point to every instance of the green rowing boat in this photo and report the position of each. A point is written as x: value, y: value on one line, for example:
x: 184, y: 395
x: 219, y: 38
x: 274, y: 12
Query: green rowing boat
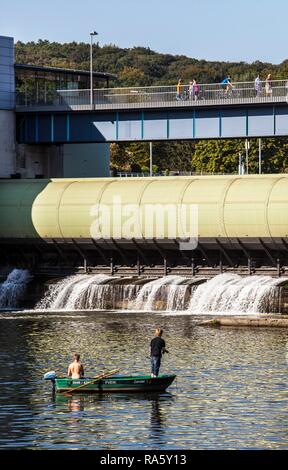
x: 118, y: 383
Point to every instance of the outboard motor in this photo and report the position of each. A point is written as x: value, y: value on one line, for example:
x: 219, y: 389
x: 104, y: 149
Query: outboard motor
x: 51, y: 375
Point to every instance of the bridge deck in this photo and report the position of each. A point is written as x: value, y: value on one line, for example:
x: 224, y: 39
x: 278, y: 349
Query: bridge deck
x: 156, y: 97
x: 154, y: 113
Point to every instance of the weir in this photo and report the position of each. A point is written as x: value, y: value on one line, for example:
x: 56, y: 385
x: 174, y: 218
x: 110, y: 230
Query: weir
x: 13, y: 289
x: 224, y: 294
x: 196, y: 226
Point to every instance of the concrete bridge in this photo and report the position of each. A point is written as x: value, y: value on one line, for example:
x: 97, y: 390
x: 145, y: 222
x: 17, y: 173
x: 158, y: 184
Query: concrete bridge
x: 154, y: 113
x: 50, y: 120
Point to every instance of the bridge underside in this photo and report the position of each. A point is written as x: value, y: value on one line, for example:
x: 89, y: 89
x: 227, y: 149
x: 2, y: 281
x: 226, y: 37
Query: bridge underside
x: 266, y: 120
x: 148, y: 258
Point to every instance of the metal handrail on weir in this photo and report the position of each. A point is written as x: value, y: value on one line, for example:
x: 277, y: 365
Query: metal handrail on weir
x: 153, y: 96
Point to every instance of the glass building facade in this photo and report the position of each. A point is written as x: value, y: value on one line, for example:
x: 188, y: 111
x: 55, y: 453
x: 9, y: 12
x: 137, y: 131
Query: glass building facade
x: 36, y: 84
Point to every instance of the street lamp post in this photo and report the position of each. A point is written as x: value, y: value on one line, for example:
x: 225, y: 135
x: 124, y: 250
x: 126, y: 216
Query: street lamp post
x: 93, y: 33
x: 260, y: 156
x: 151, y: 159
x: 247, y: 147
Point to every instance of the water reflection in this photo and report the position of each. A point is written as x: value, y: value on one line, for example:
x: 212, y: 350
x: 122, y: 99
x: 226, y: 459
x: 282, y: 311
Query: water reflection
x: 157, y: 422
x: 231, y: 391
x: 72, y: 403
x: 77, y: 404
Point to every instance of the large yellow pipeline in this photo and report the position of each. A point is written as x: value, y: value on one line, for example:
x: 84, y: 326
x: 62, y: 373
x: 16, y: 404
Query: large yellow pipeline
x: 228, y: 206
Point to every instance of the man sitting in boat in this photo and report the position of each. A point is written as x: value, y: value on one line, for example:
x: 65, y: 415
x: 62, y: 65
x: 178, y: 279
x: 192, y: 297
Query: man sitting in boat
x: 157, y: 349
x: 76, y: 369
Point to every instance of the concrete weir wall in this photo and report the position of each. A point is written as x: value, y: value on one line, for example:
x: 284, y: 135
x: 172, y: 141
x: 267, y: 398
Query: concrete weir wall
x: 7, y: 114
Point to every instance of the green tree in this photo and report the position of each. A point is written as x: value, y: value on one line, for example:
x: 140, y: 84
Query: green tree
x: 222, y: 156
x: 118, y: 157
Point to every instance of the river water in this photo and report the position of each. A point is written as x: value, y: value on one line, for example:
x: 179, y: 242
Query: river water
x: 231, y: 391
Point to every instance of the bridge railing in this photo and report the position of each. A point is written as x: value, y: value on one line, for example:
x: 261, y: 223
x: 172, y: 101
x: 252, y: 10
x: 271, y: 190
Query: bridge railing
x: 161, y: 95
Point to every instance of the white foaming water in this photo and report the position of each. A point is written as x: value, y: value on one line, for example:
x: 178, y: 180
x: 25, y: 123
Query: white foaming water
x: 13, y: 289
x: 87, y: 292
x: 74, y: 292
x: 233, y: 294
x: 115, y: 296
x: 165, y: 291
x: 175, y: 294
x: 81, y: 292
x: 224, y: 294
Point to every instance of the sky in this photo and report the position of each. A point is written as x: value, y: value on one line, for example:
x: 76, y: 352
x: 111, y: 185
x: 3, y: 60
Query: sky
x: 246, y: 30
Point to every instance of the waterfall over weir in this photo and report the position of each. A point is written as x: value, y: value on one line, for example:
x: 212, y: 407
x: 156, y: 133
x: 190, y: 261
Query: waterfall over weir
x: 233, y: 294
x: 228, y: 294
x: 224, y: 294
x: 88, y: 292
x: 167, y: 293
x: 13, y: 288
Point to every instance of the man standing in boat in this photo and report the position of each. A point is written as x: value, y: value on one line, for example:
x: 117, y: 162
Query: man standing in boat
x: 76, y: 369
x: 157, y: 349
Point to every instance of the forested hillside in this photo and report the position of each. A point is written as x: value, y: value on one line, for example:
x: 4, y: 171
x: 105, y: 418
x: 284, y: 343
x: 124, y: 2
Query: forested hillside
x: 143, y: 67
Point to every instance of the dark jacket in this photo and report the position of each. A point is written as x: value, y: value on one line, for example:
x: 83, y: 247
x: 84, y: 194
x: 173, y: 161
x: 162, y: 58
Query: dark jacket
x: 157, y: 346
